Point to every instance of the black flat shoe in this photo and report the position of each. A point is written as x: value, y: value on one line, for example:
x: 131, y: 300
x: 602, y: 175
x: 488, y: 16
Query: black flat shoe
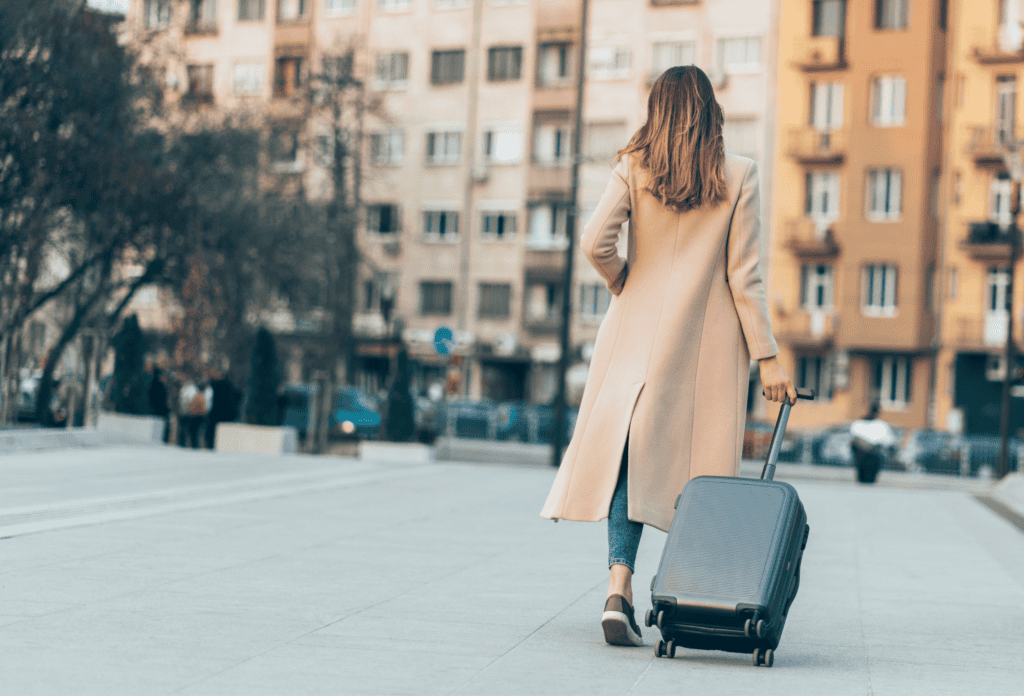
x: 618, y: 623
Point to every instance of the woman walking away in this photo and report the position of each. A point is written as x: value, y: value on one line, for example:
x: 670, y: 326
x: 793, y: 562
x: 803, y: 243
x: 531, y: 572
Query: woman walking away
x: 667, y: 388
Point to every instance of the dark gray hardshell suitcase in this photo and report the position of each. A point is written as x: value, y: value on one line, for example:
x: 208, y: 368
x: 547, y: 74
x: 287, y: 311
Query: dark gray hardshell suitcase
x: 731, y: 564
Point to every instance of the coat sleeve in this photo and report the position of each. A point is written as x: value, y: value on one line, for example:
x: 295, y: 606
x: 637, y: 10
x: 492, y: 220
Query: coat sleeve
x: 744, y: 270
x: 601, y: 233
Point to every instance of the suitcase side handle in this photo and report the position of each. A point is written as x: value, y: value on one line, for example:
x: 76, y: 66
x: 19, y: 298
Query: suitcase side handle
x: 768, y: 472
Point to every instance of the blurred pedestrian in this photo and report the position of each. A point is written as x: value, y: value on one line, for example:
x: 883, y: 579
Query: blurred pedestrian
x: 225, y: 400
x: 158, y: 405
x: 667, y: 387
x: 193, y: 405
x: 870, y: 436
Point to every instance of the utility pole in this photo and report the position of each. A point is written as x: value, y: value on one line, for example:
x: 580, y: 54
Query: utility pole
x: 1013, y: 159
x: 558, y: 436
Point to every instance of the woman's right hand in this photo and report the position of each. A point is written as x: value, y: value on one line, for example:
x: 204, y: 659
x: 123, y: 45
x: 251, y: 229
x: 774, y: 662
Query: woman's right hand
x: 776, y: 383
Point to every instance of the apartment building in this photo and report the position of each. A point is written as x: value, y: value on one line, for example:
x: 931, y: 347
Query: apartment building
x: 631, y: 42
x: 978, y: 289
x: 857, y: 205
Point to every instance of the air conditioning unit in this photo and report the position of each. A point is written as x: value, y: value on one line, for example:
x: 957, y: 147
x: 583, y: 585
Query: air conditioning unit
x: 719, y: 78
x: 480, y: 174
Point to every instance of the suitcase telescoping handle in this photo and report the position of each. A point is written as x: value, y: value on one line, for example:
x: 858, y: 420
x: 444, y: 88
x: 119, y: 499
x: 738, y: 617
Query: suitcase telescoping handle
x: 768, y: 472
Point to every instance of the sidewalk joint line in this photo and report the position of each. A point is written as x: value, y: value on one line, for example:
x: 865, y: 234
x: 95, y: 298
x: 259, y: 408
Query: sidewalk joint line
x: 1002, y: 509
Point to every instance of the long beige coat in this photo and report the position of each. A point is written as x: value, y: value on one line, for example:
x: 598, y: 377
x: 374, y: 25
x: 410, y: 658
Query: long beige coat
x: 672, y: 357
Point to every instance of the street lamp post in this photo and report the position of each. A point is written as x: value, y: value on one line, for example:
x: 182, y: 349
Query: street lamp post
x: 1012, y: 151
x: 558, y: 436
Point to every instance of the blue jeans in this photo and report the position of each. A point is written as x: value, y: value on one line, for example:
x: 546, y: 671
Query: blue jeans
x: 623, y: 533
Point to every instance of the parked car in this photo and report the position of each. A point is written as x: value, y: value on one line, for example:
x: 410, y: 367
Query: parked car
x: 427, y: 419
x: 469, y: 418
x: 757, y: 436
x: 983, y: 451
x: 934, y: 451
x: 519, y: 421
x: 353, y: 414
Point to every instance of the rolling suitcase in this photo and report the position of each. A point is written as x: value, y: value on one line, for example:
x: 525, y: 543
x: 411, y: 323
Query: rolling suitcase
x: 731, y: 564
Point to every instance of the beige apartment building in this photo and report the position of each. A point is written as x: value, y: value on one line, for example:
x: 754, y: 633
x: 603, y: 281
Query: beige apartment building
x: 857, y: 206
x: 466, y: 166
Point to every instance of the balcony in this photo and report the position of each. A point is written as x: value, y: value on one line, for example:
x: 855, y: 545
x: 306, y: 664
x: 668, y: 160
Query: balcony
x: 985, y: 145
x: 812, y: 146
x: 1005, y: 49
x: 811, y: 239
x: 820, y: 53
x: 984, y: 334
x: 989, y: 241
x: 201, y: 27
x: 803, y: 329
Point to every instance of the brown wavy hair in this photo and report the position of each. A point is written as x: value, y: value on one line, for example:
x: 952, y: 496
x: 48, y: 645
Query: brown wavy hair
x: 681, y: 147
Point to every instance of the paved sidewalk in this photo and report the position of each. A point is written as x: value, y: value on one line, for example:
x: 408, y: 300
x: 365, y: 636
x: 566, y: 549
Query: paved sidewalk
x: 156, y: 570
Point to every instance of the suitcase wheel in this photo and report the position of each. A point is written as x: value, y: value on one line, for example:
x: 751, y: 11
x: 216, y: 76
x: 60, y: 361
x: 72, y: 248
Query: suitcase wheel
x: 659, y: 648
x: 670, y: 649
x: 766, y: 658
x: 649, y: 618
x: 754, y: 627
x: 661, y: 620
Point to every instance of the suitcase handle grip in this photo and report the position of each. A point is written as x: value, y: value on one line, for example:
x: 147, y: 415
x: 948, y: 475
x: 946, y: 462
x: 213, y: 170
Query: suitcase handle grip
x: 768, y: 472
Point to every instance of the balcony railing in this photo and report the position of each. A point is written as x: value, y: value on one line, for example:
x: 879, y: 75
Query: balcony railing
x: 985, y: 144
x: 1000, y: 49
x: 817, y: 53
x: 201, y: 27
x: 807, y: 329
x: 982, y: 334
x: 813, y: 146
x: 990, y: 241
x: 811, y: 238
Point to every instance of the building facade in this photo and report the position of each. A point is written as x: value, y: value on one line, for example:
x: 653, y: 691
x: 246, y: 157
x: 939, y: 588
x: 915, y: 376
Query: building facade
x: 857, y: 206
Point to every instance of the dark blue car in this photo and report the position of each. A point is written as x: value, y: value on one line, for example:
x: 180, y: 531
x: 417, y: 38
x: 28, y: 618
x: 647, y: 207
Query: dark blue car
x: 353, y: 416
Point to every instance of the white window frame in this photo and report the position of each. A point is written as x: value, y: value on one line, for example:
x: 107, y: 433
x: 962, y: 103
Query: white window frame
x: 556, y: 134
x: 555, y: 225
x: 826, y: 106
x: 394, y: 6
x: 884, y: 195
x: 894, y: 392
x: 594, y: 300
x: 451, y: 4
x: 610, y: 62
x: 490, y: 218
x: 747, y: 67
x: 433, y: 213
x: 340, y: 8
x: 253, y: 79
x: 449, y: 134
x: 548, y: 54
x: 817, y: 279
x: 1005, y: 107
x: 156, y: 14
x: 503, y: 142
x: 391, y: 143
x: 814, y: 371
x: 888, y: 101
x: 1000, y: 195
x: 680, y: 48
x: 898, y: 10
x: 879, y: 288
x: 825, y: 185
x: 1010, y: 36
x: 377, y: 234
x: 384, y: 70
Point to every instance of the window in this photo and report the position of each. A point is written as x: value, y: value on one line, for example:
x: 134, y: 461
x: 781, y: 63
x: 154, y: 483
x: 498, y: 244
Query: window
x: 289, y: 75
x: 504, y: 63
x: 498, y: 225
x: 668, y: 54
x: 1010, y: 33
x: 816, y: 287
x: 446, y: 67
x: 383, y: 218
x: 1006, y: 107
x: 387, y: 147
x: 888, y: 100
x: 503, y: 143
x: 338, y: 68
x: 382, y: 286
x: 444, y: 147
x: 602, y: 141
x: 554, y: 64
x: 998, y: 291
x: 879, y: 293
x: 323, y: 150
x: 551, y: 141
x: 284, y: 148
x: 248, y: 79
x: 250, y: 10
x: 393, y: 5
x: 822, y: 195
x: 203, y: 16
x: 440, y: 225
x: 594, y: 300
x: 337, y: 8
x: 548, y: 225
x: 450, y: 4
x: 610, y: 62
x: 739, y: 54
x: 435, y: 298
x: 892, y: 380
x: 829, y: 16
x: 1000, y: 200
x: 543, y: 302
x: 495, y: 301
x: 740, y: 135
x: 200, y: 82
x: 156, y: 14
x: 393, y: 69
x: 891, y: 14
x: 815, y: 372
x: 943, y: 14
x: 884, y: 194
x: 290, y: 10
x: 826, y: 106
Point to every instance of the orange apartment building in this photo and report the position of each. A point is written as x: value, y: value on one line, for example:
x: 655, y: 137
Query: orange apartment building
x: 857, y: 206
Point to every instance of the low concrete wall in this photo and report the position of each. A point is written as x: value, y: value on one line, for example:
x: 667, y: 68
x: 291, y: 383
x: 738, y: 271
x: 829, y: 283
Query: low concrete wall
x: 256, y: 439
x: 395, y: 451
x: 149, y: 428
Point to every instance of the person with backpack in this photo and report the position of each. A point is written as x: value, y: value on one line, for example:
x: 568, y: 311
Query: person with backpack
x: 666, y: 392
x: 193, y: 405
